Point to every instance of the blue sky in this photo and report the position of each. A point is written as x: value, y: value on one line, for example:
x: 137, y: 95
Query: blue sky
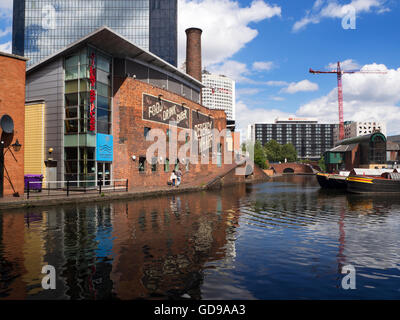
x: 268, y: 47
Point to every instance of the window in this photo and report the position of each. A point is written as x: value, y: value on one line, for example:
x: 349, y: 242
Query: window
x: 166, y: 165
x: 142, y: 161
x: 146, y: 131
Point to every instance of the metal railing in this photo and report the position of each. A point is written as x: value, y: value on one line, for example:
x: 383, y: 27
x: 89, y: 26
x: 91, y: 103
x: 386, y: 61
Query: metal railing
x: 61, y: 188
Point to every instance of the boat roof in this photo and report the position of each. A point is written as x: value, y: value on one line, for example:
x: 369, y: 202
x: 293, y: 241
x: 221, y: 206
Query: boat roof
x: 371, y: 172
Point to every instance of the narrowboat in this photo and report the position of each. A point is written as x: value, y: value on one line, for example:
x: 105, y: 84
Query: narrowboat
x: 388, y: 182
x: 332, y: 181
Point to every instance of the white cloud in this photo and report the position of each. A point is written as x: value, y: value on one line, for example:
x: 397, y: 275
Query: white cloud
x: 232, y: 69
x: 224, y: 23
x: 246, y: 115
x: 332, y: 9
x: 348, y: 64
x: 263, y: 65
x: 277, y: 83
x: 365, y: 97
x: 247, y: 91
x: 5, y: 47
x: 6, y: 4
x: 5, y: 32
x: 277, y: 98
x: 301, y: 86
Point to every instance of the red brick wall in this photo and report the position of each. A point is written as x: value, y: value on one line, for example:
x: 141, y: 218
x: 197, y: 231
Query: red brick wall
x: 297, y: 167
x: 129, y: 137
x: 12, y: 102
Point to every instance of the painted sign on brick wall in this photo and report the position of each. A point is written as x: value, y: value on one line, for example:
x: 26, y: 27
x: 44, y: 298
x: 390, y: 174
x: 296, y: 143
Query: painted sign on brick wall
x: 203, y: 126
x: 163, y: 111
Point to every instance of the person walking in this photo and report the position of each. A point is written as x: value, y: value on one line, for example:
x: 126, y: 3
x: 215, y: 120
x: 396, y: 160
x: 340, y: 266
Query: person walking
x: 173, y: 178
x: 178, y: 177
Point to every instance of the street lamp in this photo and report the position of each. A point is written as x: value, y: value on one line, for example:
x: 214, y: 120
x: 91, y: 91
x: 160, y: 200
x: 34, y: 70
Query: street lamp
x: 16, y: 146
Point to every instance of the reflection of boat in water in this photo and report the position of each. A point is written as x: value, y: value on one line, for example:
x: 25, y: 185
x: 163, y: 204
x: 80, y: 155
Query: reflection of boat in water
x: 387, y: 183
x: 332, y: 181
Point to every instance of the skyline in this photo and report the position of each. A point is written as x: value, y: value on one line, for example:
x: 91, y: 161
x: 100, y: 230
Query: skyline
x: 267, y: 47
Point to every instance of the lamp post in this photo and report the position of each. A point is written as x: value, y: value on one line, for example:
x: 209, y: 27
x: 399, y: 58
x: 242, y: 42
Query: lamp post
x: 16, y: 147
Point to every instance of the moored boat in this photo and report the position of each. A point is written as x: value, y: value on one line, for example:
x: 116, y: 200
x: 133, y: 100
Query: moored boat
x: 332, y: 181
x: 388, y: 183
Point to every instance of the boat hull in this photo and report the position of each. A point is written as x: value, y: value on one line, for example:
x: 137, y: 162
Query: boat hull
x: 331, y: 181
x: 359, y: 184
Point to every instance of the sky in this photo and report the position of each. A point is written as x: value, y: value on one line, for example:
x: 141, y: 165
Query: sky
x: 267, y: 47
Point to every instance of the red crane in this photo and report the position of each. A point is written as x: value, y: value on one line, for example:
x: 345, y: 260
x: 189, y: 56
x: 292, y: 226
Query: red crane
x: 339, y: 73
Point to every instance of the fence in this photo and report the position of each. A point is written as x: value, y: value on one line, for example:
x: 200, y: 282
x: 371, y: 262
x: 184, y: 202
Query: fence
x: 62, y: 188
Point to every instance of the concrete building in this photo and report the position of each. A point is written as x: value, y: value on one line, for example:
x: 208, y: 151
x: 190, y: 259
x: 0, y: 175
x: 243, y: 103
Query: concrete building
x: 219, y: 94
x: 354, y: 129
x: 101, y: 96
x: 42, y: 27
x: 12, y: 100
x: 310, y: 138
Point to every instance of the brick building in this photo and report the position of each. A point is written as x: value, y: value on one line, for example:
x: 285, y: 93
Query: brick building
x: 103, y: 94
x: 12, y: 100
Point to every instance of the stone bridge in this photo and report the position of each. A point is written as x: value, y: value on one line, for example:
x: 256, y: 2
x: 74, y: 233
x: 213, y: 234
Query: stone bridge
x: 294, y: 167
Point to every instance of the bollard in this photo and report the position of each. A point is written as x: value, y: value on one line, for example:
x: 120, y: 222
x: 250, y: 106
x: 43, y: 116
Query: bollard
x: 67, y: 188
x: 28, y: 190
x: 126, y: 185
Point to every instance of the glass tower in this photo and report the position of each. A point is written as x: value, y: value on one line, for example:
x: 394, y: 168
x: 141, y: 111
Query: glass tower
x: 42, y: 27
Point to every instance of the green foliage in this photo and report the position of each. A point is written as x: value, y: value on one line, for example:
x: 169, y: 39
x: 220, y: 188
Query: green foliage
x: 321, y: 164
x: 276, y: 152
x: 259, y: 155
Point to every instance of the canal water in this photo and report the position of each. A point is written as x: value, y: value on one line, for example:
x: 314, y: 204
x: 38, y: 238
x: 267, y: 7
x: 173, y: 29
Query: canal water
x: 284, y: 239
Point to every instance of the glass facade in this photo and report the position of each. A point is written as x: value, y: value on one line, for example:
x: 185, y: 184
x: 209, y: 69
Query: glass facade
x: 87, y: 96
x: 42, y: 27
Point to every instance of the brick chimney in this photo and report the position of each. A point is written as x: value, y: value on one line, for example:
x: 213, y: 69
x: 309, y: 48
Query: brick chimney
x: 193, y: 53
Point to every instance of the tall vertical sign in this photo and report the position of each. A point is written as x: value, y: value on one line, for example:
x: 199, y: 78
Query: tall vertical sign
x: 92, y: 114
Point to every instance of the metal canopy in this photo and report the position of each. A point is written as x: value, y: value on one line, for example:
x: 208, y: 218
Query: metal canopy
x: 119, y: 47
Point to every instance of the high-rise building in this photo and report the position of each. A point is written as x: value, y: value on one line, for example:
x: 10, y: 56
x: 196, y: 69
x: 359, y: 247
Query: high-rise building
x: 43, y: 27
x: 219, y: 93
x: 354, y: 129
x: 310, y: 138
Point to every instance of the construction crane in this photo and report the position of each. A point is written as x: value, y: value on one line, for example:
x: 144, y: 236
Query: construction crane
x: 339, y: 73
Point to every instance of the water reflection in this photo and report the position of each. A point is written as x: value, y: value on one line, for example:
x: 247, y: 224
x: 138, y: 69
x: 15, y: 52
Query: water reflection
x: 285, y: 239
x: 152, y: 248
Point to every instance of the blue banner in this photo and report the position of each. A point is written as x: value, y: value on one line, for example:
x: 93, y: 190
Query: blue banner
x: 105, y: 147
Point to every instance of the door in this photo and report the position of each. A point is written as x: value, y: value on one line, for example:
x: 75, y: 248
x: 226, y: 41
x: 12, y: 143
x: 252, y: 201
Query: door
x: 104, y: 173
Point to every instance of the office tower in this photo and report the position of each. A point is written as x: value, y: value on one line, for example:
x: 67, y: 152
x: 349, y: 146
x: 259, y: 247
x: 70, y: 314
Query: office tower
x: 43, y: 27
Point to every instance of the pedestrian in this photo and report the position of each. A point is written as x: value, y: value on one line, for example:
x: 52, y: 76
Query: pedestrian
x: 178, y: 177
x: 173, y: 178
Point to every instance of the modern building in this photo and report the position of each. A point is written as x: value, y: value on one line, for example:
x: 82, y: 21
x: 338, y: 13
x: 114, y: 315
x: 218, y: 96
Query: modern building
x: 354, y: 129
x: 367, y: 151
x: 310, y: 138
x: 219, y: 94
x: 96, y: 101
x: 42, y: 27
x: 12, y: 113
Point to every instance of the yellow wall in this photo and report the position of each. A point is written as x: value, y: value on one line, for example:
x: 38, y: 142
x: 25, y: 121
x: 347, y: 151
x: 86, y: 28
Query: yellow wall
x: 34, y: 139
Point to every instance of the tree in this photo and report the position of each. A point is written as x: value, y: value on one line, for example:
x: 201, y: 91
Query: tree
x: 273, y: 151
x: 259, y: 155
x: 321, y: 164
x: 288, y: 152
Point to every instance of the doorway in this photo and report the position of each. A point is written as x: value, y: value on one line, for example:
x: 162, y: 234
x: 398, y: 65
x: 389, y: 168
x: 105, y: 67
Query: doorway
x: 104, y: 173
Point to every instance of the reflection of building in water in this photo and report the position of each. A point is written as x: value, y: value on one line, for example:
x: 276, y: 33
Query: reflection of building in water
x: 170, y: 247
x: 143, y: 249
